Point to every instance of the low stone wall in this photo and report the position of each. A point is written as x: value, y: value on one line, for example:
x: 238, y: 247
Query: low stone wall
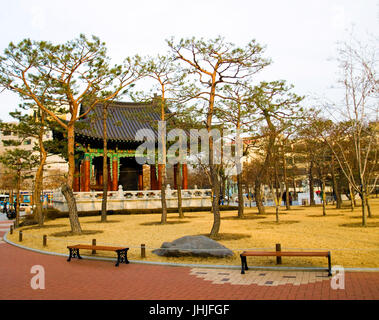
x: 134, y: 200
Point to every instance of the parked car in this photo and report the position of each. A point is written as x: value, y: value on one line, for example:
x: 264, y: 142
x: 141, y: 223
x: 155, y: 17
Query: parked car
x: 24, y: 206
x: 25, y: 209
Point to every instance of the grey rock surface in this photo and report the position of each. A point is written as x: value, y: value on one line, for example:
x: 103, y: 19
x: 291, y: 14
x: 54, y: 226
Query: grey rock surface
x: 199, y: 246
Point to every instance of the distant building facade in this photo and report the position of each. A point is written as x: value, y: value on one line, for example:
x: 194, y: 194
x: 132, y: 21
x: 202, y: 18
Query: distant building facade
x: 55, y: 166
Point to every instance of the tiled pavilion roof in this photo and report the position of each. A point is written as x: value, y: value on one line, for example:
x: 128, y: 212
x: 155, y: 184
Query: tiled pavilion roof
x: 123, y: 121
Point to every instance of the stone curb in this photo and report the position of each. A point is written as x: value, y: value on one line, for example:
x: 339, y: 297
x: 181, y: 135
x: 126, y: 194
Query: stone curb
x: 171, y: 264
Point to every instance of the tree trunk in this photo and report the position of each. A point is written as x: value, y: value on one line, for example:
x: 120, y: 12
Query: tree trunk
x: 71, y: 154
x: 368, y: 208
x: 215, y: 202
x: 352, y: 196
x: 277, y: 193
x: 105, y: 167
x: 67, y: 187
x: 72, y: 209
x: 163, y: 195
x: 39, y: 175
x: 311, y: 189
x: 39, y: 217
x: 18, y: 198
x: 228, y: 191
x: 336, y: 189
x: 213, y: 169
x: 294, y: 183
x: 179, y: 189
x: 364, y: 208
x: 258, y: 197
x: 288, y: 205
x: 250, y: 197
x: 277, y: 201
x: 268, y: 161
x: 38, y: 189
x: 364, y: 196
x: 223, y: 187
x: 323, y: 197
x: 240, y: 195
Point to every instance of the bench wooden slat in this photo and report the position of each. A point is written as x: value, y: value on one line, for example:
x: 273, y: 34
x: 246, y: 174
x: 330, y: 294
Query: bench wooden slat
x: 92, y: 247
x: 245, y: 254
x: 122, y: 252
x: 285, y: 253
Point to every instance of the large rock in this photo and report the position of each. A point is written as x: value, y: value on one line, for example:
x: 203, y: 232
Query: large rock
x: 199, y: 246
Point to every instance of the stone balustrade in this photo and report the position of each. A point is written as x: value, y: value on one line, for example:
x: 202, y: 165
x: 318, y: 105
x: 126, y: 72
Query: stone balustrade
x: 131, y: 200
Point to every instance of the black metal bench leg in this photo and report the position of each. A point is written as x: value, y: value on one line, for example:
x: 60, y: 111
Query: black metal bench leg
x: 118, y: 258
x: 122, y: 256
x: 243, y: 264
x: 126, y: 256
x: 74, y: 253
x: 329, y: 265
x: 69, y: 258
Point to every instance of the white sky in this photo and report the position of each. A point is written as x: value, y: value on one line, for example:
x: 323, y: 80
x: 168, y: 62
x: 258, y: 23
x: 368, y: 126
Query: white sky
x: 300, y: 35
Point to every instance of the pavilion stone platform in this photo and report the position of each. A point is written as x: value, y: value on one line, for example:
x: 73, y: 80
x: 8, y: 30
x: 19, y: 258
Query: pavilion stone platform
x: 134, y: 200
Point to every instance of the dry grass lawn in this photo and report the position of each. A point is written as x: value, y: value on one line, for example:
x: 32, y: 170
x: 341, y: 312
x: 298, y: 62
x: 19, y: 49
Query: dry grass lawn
x: 302, y: 227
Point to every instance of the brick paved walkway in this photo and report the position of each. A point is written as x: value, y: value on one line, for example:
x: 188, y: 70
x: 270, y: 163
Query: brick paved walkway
x: 89, y: 279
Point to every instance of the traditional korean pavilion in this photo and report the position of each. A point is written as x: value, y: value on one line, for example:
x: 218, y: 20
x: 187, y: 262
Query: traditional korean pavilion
x: 124, y: 119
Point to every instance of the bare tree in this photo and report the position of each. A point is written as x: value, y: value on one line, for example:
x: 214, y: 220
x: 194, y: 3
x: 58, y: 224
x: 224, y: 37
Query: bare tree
x: 277, y: 107
x: 274, y: 181
x: 215, y: 63
x: 358, y: 66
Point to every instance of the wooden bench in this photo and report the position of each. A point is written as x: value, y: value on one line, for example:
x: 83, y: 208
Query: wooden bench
x: 122, y: 252
x: 244, y: 254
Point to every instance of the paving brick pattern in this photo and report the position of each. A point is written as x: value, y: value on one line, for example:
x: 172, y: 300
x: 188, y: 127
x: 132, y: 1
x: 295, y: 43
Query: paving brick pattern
x: 89, y: 279
x: 266, y: 278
